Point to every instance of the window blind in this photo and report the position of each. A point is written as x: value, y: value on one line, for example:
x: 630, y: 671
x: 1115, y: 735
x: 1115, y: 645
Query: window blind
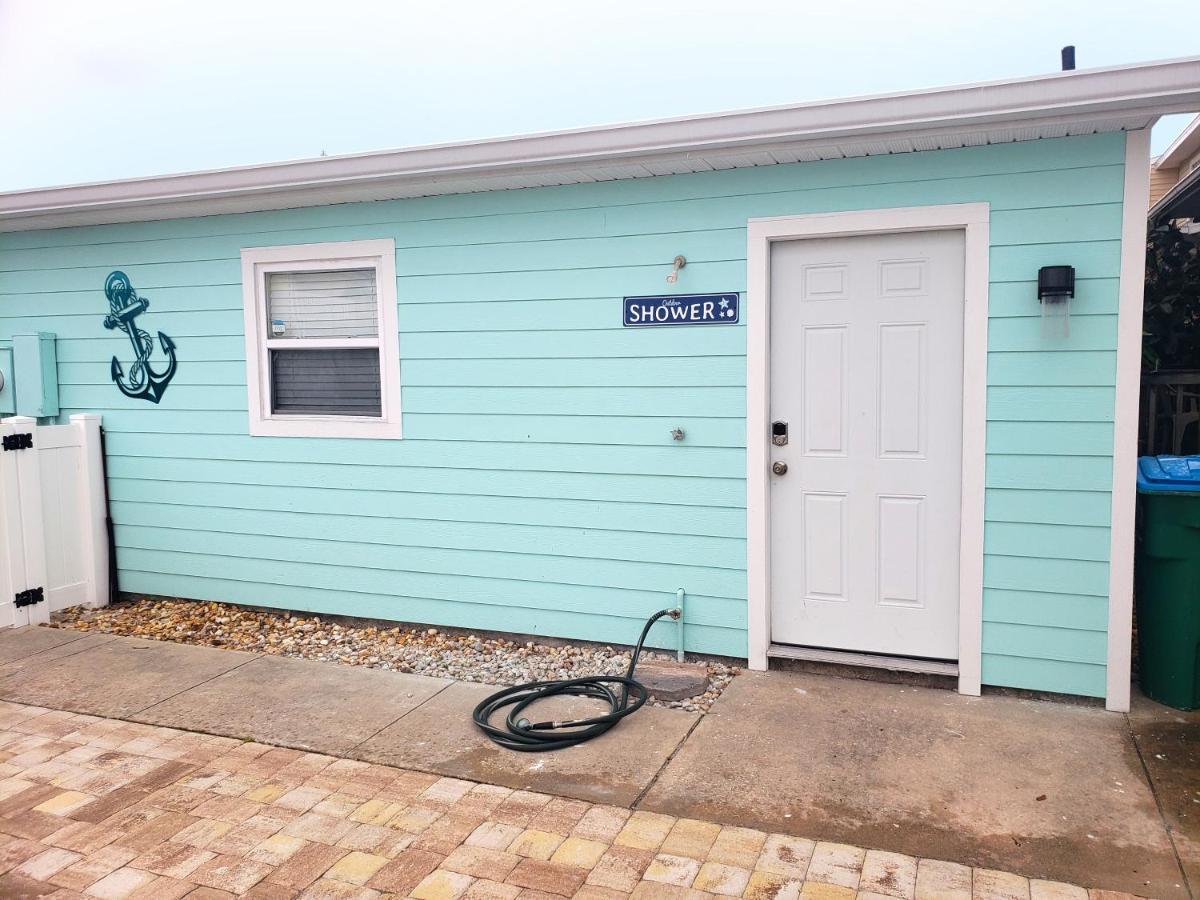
x: 326, y: 382
x: 335, y: 304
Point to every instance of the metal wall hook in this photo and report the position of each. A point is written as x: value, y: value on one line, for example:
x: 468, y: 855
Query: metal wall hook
x: 676, y: 264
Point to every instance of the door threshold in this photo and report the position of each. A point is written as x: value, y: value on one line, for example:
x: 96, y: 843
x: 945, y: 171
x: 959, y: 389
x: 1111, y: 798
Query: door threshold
x: 865, y: 660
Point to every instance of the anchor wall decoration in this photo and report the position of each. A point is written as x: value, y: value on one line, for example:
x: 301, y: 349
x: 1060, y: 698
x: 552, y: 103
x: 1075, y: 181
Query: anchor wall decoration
x: 143, y: 381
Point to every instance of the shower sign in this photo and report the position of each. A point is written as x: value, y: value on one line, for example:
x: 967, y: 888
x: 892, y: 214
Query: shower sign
x: 681, y: 309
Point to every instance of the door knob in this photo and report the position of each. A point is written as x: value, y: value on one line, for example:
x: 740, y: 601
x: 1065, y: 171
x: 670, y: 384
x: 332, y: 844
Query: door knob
x: 779, y: 467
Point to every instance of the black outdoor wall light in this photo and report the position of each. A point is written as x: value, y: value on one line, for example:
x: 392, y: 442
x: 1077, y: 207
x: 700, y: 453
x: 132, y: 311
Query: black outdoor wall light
x: 1056, y: 287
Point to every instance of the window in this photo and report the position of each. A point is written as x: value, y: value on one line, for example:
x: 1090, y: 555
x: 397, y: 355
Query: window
x: 322, y: 347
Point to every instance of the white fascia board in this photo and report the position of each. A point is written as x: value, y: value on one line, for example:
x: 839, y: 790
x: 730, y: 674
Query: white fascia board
x: 1183, y: 147
x: 1145, y: 90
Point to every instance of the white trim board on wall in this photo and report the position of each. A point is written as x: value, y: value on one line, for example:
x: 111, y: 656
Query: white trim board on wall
x: 1125, y: 417
x: 973, y: 220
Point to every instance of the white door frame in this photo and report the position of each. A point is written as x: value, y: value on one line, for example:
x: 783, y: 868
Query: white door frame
x: 972, y: 219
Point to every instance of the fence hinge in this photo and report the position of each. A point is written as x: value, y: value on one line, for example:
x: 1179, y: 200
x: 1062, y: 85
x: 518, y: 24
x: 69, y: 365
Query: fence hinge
x: 21, y: 441
x: 29, y: 597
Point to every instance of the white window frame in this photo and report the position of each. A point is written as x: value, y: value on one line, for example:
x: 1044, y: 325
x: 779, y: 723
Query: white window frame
x: 257, y: 264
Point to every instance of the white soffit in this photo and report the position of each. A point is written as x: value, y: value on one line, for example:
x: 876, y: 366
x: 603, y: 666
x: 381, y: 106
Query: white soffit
x: 1046, y: 106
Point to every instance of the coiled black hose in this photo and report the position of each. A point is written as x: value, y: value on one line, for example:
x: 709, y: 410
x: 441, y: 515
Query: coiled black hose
x: 623, y: 694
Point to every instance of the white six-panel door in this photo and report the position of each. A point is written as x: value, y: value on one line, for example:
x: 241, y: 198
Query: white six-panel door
x: 867, y: 371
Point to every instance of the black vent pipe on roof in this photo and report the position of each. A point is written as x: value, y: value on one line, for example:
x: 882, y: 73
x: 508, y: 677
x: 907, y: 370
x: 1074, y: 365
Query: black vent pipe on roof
x: 1068, y: 57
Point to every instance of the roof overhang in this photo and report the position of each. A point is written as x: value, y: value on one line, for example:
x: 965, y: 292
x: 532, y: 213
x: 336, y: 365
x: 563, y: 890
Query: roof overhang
x: 1045, y: 106
x: 1182, y: 148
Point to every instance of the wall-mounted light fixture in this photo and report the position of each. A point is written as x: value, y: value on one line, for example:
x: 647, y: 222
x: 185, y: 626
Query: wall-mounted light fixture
x: 1056, y: 287
x: 676, y: 264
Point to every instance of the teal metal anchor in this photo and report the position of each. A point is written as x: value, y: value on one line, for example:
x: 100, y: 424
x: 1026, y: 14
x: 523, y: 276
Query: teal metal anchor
x: 142, y: 382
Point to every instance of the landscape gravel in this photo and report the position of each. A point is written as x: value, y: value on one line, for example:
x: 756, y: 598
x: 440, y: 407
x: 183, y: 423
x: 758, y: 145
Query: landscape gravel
x: 423, y: 651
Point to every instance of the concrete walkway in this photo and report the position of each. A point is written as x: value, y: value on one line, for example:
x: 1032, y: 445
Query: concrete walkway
x: 1049, y: 790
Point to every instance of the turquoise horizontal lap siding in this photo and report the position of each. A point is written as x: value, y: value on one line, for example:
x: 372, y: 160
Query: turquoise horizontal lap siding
x: 537, y: 488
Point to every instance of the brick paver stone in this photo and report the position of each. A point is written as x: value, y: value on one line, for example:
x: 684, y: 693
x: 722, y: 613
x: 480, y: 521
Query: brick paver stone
x: 552, y: 878
x: 90, y: 869
x: 356, y: 867
x: 480, y: 862
x: 559, y: 816
x: 691, y: 837
x: 47, y: 863
x: 405, y: 872
x: 230, y: 873
x: 645, y: 831
x: 170, y: 889
x: 581, y: 852
x: 889, y: 874
x: 172, y: 860
x: 737, y: 847
x: 771, y: 886
x: 1055, y: 890
x: 120, y: 884
x: 519, y: 808
x: 483, y: 889
x: 989, y: 884
x: 620, y: 868
x: 602, y: 823
x: 442, y: 885
x: 836, y: 864
x: 718, y: 878
x: 276, y: 850
x: 306, y: 865
x: 938, y: 880
x: 677, y: 870
x: 536, y: 844
x: 783, y: 855
x: 814, y: 890
x: 494, y: 835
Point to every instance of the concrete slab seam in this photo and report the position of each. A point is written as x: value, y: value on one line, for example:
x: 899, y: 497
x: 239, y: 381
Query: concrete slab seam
x: 192, y: 687
x: 637, y: 801
x: 1158, y: 804
x: 399, y: 717
x: 92, y: 646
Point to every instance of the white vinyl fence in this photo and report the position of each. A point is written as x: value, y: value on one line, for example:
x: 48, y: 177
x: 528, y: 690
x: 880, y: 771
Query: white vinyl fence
x: 53, y: 535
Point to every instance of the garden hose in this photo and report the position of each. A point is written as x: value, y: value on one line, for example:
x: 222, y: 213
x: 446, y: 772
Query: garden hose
x: 623, y: 694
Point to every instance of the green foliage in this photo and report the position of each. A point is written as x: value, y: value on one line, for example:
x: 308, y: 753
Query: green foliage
x: 1171, y: 322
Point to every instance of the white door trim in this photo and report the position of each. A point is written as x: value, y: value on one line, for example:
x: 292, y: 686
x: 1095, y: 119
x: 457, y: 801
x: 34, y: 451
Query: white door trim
x: 973, y: 219
x: 1125, y: 417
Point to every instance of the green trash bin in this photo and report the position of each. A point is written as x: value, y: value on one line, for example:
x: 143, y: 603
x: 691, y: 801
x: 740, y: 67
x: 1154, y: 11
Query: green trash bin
x: 1168, y: 579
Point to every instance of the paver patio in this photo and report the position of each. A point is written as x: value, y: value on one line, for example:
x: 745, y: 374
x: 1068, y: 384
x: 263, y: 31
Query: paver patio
x: 94, y: 807
x: 727, y: 805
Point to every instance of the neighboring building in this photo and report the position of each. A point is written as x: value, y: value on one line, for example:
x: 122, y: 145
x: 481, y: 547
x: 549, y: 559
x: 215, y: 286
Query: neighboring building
x: 1175, y: 180
x: 436, y: 385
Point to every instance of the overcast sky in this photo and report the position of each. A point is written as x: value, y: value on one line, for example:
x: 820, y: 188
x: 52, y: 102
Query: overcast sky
x: 99, y: 89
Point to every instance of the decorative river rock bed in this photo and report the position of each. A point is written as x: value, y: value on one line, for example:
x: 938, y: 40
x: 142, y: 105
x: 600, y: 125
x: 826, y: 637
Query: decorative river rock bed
x: 422, y: 651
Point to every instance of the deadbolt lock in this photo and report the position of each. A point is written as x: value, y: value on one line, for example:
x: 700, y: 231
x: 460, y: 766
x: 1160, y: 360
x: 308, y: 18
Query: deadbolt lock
x: 779, y: 467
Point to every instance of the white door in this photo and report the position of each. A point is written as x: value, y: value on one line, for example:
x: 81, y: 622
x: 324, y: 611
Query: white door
x: 866, y: 370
